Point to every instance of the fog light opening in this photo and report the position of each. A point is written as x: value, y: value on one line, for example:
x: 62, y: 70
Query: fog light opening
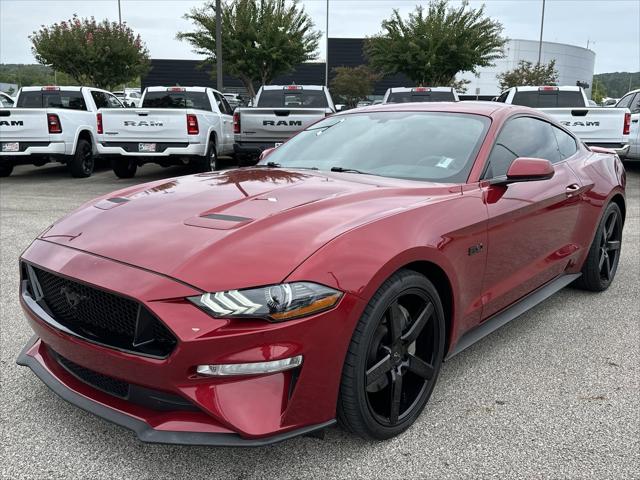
x: 256, y: 368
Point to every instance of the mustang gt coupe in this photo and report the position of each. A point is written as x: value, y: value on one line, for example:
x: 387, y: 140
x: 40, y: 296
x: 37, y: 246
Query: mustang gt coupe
x: 326, y: 284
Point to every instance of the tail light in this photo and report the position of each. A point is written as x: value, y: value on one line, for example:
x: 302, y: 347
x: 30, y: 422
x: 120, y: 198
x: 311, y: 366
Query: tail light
x: 236, y: 122
x: 627, y: 124
x: 192, y: 124
x: 53, y: 121
x: 99, y: 123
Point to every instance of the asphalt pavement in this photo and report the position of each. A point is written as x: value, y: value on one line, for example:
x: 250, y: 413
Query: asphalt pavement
x: 554, y: 394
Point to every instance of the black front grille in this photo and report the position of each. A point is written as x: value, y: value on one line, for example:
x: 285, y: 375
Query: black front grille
x: 146, y: 397
x: 101, y: 316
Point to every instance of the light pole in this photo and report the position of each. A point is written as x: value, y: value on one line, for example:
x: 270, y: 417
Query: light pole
x: 541, y: 30
x: 119, y: 14
x: 326, y: 60
x: 219, y: 45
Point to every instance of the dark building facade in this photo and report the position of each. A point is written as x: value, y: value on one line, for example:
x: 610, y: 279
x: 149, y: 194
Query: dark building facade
x: 343, y: 52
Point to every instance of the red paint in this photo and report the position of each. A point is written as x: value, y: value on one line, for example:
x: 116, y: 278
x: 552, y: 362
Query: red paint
x: 346, y: 231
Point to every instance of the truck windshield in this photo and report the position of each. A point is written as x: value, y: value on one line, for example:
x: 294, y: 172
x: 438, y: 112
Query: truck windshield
x: 406, y: 97
x: 195, y: 100
x: 549, y: 99
x: 293, y: 99
x: 68, y: 99
x: 431, y: 146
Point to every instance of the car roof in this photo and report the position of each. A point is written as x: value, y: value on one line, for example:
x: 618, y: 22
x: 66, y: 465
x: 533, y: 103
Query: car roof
x: 35, y: 88
x: 410, y: 89
x: 561, y: 88
x: 304, y: 87
x: 488, y: 109
x: 187, y: 89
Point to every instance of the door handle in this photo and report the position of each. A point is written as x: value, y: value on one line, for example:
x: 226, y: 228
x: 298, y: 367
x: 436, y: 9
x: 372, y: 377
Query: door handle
x: 571, y: 189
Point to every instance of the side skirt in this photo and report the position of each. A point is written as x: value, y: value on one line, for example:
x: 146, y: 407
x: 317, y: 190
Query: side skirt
x: 505, y: 316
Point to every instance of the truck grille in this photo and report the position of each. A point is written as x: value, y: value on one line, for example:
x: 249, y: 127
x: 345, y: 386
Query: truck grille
x: 100, y: 316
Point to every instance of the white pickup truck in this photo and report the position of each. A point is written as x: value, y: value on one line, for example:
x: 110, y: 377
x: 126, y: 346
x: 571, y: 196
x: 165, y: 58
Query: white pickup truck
x: 595, y: 126
x: 52, y: 124
x: 173, y: 126
x: 632, y: 101
x: 420, y: 94
x: 278, y: 112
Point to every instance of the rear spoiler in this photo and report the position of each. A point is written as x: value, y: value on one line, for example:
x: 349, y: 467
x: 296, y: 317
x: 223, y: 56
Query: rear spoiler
x: 601, y: 150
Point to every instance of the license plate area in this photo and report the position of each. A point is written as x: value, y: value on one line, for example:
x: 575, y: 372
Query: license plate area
x: 146, y: 147
x: 10, y: 146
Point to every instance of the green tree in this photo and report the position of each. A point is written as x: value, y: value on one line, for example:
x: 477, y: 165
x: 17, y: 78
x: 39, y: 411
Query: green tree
x: 353, y: 84
x: 529, y: 74
x: 436, y: 43
x: 260, y: 40
x: 599, y: 92
x: 103, y: 54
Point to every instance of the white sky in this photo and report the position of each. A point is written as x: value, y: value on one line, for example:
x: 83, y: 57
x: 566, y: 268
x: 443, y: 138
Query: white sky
x: 611, y: 27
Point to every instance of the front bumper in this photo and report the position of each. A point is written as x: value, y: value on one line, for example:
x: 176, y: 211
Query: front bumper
x: 251, y: 410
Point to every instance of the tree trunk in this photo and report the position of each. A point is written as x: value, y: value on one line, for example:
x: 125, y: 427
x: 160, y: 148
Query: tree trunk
x: 248, y: 84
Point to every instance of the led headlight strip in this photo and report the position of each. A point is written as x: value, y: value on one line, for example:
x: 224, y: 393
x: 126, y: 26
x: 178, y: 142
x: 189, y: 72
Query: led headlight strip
x: 274, y: 302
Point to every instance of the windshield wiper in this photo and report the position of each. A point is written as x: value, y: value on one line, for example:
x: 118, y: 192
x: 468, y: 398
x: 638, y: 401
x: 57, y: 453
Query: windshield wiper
x: 348, y: 170
x: 278, y: 165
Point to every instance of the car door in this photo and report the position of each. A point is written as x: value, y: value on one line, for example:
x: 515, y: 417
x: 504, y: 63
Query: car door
x: 226, y: 116
x: 531, y: 226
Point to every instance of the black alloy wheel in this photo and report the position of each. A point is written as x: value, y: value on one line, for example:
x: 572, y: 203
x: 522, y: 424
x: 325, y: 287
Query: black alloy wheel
x: 601, y: 265
x: 394, y: 358
x: 82, y: 161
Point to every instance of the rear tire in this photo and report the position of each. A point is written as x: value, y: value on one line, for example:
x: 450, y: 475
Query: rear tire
x: 82, y: 162
x: 6, y: 169
x: 124, y: 167
x: 394, y: 358
x: 601, y: 264
x: 209, y: 163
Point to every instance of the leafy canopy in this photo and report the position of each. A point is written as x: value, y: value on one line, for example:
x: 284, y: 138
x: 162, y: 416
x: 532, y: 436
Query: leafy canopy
x: 529, y: 74
x: 436, y: 43
x: 260, y: 40
x: 352, y: 84
x: 103, y: 54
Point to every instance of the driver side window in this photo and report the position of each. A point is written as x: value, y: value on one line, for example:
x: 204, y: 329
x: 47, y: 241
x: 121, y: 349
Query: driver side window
x: 522, y: 137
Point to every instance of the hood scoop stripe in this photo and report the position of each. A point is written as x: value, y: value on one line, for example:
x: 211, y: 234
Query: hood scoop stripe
x: 226, y: 218
x: 109, y: 203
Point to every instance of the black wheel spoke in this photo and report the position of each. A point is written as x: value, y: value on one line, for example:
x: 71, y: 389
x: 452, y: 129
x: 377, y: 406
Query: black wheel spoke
x: 601, y: 260
x: 395, y: 321
x: 613, y: 245
x: 378, y: 370
x: 420, y: 367
x: 607, y: 267
x: 396, y: 397
x: 610, y: 225
x: 417, y: 326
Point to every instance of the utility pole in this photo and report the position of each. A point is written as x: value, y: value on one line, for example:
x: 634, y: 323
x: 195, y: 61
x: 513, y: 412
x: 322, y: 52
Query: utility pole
x: 541, y: 30
x: 219, y: 45
x: 326, y: 60
x: 119, y: 14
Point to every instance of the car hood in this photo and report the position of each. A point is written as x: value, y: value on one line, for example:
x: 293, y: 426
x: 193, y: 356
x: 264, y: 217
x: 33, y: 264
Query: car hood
x: 237, y: 228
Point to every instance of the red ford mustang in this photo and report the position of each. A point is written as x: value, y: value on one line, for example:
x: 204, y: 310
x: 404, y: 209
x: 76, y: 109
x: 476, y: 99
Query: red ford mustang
x: 327, y: 283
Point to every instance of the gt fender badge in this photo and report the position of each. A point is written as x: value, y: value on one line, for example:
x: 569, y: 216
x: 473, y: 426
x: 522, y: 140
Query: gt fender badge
x: 475, y: 249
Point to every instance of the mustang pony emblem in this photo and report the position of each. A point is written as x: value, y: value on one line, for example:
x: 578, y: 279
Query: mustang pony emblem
x: 73, y: 298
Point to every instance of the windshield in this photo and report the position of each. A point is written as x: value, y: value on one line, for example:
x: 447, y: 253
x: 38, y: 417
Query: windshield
x: 406, y: 97
x: 432, y: 146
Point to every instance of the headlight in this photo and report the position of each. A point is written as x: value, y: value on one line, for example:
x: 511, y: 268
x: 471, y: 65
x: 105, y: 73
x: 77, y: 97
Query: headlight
x: 274, y: 303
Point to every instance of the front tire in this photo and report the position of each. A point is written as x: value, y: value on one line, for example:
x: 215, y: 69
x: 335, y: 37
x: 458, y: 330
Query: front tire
x: 82, y: 161
x: 394, y: 358
x: 600, y: 267
x: 124, y: 167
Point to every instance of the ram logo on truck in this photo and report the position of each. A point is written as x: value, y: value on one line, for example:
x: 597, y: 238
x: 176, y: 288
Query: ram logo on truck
x: 143, y: 123
x: 11, y: 123
x: 280, y: 123
x: 581, y: 124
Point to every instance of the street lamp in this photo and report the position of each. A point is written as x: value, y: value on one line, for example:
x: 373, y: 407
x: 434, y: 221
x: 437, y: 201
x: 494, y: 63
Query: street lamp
x: 219, y: 45
x: 541, y: 30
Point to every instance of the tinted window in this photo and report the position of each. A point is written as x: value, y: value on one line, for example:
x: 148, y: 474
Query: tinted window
x: 503, y: 98
x: 522, y: 137
x: 223, y: 105
x: 625, y: 102
x: 113, y: 102
x: 406, y: 97
x: 293, y: 99
x: 566, y: 143
x: 100, y: 99
x: 5, y: 102
x: 71, y: 100
x: 549, y: 99
x: 196, y: 100
x: 439, y: 147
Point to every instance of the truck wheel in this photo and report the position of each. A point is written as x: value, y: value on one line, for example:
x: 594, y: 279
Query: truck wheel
x: 82, y: 161
x: 210, y: 161
x: 6, y: 169
x: 124, y: 167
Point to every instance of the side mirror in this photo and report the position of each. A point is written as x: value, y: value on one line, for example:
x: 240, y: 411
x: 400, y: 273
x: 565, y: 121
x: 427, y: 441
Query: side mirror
x: 265, y: 153
x: 525, y: 169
